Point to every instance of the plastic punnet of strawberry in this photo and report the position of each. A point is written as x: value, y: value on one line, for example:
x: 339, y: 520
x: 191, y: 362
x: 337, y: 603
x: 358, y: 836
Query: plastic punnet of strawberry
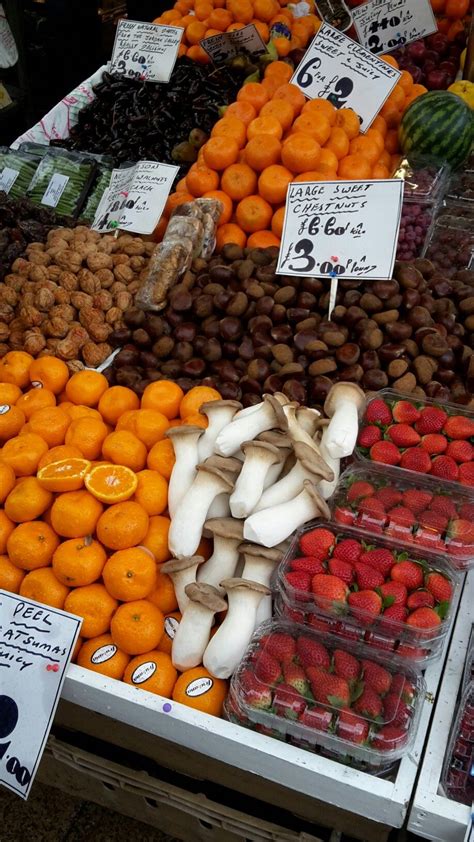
x: 418, y: 435
x: 409, y: 511
x: 318, y: 691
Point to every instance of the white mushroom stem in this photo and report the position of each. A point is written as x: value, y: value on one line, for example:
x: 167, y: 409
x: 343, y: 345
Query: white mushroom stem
x: 220, y: 507
x: 326, y: 488
x: 308, y: 419
x: 342, y: 406
x: 264, y: 611
x: 308, y: 466
x: 247, y: 427
x: 284, y: 445
x: 185, y: 443
x: 219, y: 414
x: 259, y: 456
x: 259, y: 563
x: 296, y: 432
x: 183, y: 573
x: 227, y: 534
x: 271, y: 526
x: 227, y: 647
x: 194, y: 628
x: 187, y: 524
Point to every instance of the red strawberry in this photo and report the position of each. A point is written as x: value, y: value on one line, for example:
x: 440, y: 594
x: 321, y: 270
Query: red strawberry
x: 408, y: 573
x: 402, y: 516
x: 299, y: 581
x: 433, y: 520
x: 434, y: 443
x: 400, y: 533
x: 459, y: 427
x: 403, y: 688
x: 394, y: 593
x: 445, y: 467
x: 405, y: 413
x: 369, y: 435
x: 317, y: 543
x: 439, y: 586
x: 256, y: 695
x: 378, y: 412
x: 395, y: 614
x: 460, y: 451
x: 321, y: 623
x: 390, y: 497
x: 369, y: 704
x: 368, y: 577
x: 367, y: 601
x: 317, y: 718
x: 311, y: 653
x: 424, y: 618
x: 467, y: 511
x: 466, y: 474
x: 346, y: 631
x: 358, y: 490
x: 348, y: 550
x: 420, y: 599
x: 307, y: 564
x: 295, y: 677
x: 329, y: 689
x: 328, y: 589
x: 374, y: 508
x: 389, y: 737
x: 381, y: 558
x: 461, y: 532
x: 280, y: 645
x: 297, y: 616
x: 376, y: 677
x: 416, y: 500
x: 342, y: 570
x: 416, y: 459
x: 444, y: 504
x: 431, y: 420
x: 386, y: 452
x: 378, y: 641
x: 344, y: 515
x: 345, y: 665
x: 351, y: 727
x: 429, y: 538
x: 267, y: 669
x: 403, y: 435
x: 287, y: 702
x: 395, y: 710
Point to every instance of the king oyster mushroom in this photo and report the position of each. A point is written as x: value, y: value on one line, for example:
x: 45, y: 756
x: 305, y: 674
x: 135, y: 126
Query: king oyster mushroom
x: 182, y: 572
x: 185, y: 443
x: 246, y: 427
x: 271, y: 526
x: 309, y: 465
x: 187, y: 525
x: 227, y: 533
x: 194, y: 628
x: 343, y: 405
x: 259, y: 457
x: 219, y: 414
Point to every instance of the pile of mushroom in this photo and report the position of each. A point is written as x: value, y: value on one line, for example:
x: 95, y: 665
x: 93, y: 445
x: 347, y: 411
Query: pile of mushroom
x: 249, y: 480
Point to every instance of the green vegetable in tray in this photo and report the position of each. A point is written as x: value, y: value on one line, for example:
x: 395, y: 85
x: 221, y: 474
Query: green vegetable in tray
x: 16, y: 172
x: 62, y: 181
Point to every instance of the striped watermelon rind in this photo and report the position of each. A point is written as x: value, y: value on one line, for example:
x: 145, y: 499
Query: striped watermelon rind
x: 440, y: 124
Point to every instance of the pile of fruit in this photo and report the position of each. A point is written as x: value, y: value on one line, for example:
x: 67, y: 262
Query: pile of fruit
x: 434, y: 61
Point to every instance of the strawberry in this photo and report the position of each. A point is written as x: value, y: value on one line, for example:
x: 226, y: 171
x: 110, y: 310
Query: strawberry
x: 374, y: 508
x: 358, y: 490
x: 434, y: 443
x: 420, y: 599
x: 351, y: 727
x: 299, y: 581
x: 405, y: 413
x: 439, y: 586
x: 346, y: 631
x: 424, y: 618
x: 378, y: 412
x: 344, y: 515
x: 467, y: 511
x: 311, y: 653
x: 317, y: 543
x: 342, y: 570
x: 416, y: 459
x: 322, y: 624
x: 443, y: 504
x: 316, y: 718
x: 460, y: 451
x: 403, y: 435
x: 368, y: 577
x: 348, y: 550
x: 376, y: 677
x: 369, y: 435
x: 369, y: 704
x: 287, y: 702
x: 395, y: 614
x: 466, y: 474
x: 380, y: 558
x: 403, y: 688
x: 395, y: 710
x: 389, y: 737
x: 407, y: 573
x: 459, y: 427
x: 431, y: 420
x: 429, y: 539
x: 267, y: 668
x: 433, y: 520
x: 386, y: 452
x: 461, y: 532
x: 307, y: 564
x: 402, y: 516
x: 445, y: 467
x: 280, y: 645
x: 345, y: 665
x: 366, y: 601
x: 256, y: 695
x: 329, y: 689
x: 295, y: 677
x: 328, y: 589
x: 390, y: 497
x: 296, y: 616
x: 393, y: 593
x: 378, y: 641
x: 416, y: 500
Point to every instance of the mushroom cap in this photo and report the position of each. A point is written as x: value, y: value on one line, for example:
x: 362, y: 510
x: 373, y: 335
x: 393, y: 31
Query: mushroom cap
x: 268, y: 553
x: 229, y: 464
x: 232, y: 584
x: 353, y: 392
x: 322, y: 506
x: 277, y: 438
x: 206, y: 595
x: 312, y: 461
x: 184, y: 430
x: 225, y: 527
x: 308, y: 419
x: 215, y: 472
x: 264, y: 446
x: 276, y: 405
x: 219, y: 404
x: 174, y: 565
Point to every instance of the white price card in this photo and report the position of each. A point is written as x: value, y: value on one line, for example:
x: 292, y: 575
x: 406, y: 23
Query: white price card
x: 338, y: 69
x: 384, y: 25
x: 36, y: 645
x: 222, y: 47
x: 341, y: 228
x: 136, y: 198
x: 145, y: 51
x: 8, y: 176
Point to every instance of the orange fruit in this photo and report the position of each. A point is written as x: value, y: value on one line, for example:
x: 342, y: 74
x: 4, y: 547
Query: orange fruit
x: 322, y: 107
x: 388, y: 59
x: 137, y: 627
x: 163, y: 594
x: 265, y: 9
x: 380, y: 125
x: 316, y: 175
x: 348, y: 120
x: 31, y: 545
x: 195, y: 31
x: 49, y: 373
x: 200, y: 179
x: 196, y: 420
x: 277, y: 222
x: 130, y: 574
x: 88, y: 435
x: 175, y: 200
x: 123, y: 448
x: 268, y: 125
x: 230, y: 233
x: 15, y: 368
x: 94, y: 605
x: 380, y: 171
x: 243, y: 110
x: 123, y: 525
x: 367, y: 148
x: 195, y: 398
x: 377, y: 138
x: 238, y: 181
x: 152, y: 671
x: 163, y: 396
x: 282, y: 110
x: 11, y: 421
x: 57, y: 454
x: 231, y: 128
x: 9, y: 393
x: 262, y: 151
x: 273, y: 183
x: 328, y: 162
x: 315, y: 125
x: 271, y: 85
x: 74, y: 514
x: 79, y: 562
x: 300, y: 152
x: 115, y: 401
x: 226, y: 202
x: 220, y: 152
x: 280, y: 69
x: 7, y: 480
x: 198, y: 689
x: 148, y: 425
x: 35, y: 399
x: 51, y: 424
x: 161, y: 458
x: 43, y: 586
x: 23, y: 453
x: 220, y: 19
x: 338, y: 142
x: 253, y: 214
x: 11, y: 576
x: 27, y: 501
x: 354, y: 167
x: 156, y: 538
x: 111, y: 483
x: 86, y: 387
x: 391, y: 141
x: 292, y: 94
x: 64, y: 475
x: 171, y: 626
x: 255, y: 93
x: 100, y: 654
x: 242, y: 10
x: 6, y: 528
x: 262, y: 240
x: 75, y: 412
x: 151, y: 492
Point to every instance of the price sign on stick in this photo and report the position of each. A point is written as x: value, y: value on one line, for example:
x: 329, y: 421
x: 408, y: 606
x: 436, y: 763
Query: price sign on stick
x: 384, y: 25
x: 343, y: 229
x: 338, y: 69
x: 229, y: 44
x: 136, y: 198
x: 145, y: 51
x: 36, y: 644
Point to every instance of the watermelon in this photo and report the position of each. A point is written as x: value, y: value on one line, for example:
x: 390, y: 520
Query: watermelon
x: 440, y: 124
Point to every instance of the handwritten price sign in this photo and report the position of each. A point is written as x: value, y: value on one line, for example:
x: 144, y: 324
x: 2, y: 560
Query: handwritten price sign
x: 338, y: 69
x: 222, y: 47
x: 36, y: 644
x: 145, y: 51
x: 347, y: 228
x: 384, y: 25
x: 135, y: 198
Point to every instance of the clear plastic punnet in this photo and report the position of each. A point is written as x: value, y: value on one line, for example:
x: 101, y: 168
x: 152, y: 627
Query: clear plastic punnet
x: 458, y: 773
x: 450, y: 245
x: 425, y: 181
x: 332, y: 697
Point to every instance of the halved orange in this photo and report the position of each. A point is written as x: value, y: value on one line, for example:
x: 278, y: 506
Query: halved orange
x: 64, y: 475
x: 112, y: 483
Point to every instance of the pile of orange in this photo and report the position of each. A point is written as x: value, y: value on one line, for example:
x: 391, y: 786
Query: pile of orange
x: 453, y: 16
x: 84, y: 472
x: 204, y: 18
